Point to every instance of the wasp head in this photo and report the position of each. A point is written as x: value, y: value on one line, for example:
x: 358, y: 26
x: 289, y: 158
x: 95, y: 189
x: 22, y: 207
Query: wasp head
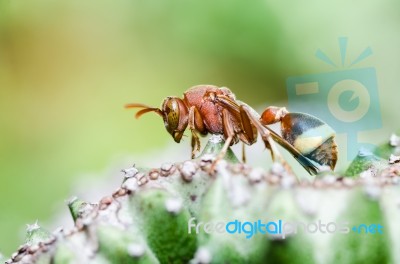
x: 174, y: 113
x: 175, y: 116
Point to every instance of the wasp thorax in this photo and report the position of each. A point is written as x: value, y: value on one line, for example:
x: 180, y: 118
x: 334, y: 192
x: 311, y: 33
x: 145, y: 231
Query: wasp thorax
x: 311, y: 136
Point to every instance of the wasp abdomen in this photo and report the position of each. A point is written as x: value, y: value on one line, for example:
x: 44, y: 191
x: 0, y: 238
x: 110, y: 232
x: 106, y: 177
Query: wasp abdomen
x: 311, y: 136
x: 326, y: 154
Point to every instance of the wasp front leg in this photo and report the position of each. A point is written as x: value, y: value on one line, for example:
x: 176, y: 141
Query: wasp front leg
x: 195, y: 124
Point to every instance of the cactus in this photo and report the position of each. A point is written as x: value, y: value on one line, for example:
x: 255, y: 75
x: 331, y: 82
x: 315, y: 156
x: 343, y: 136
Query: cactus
x: 165, y: 215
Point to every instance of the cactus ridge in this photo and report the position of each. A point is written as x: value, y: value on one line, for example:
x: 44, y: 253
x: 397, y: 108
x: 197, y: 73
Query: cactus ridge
x: 146, y: 219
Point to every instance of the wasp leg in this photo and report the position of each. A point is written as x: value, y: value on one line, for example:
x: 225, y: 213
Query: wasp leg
x: 304, y: 161
x: 234, y: 109
x: 229, y: 136
x: 250, y: 132
x: 243, y: 153
x: 266, y: 137
x: 195, y: 124
x: 195, y: 143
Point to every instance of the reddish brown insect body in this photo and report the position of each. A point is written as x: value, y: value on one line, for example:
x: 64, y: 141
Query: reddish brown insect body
x: 211, y: 109
x: 211, y: 116
x: 200, y: 97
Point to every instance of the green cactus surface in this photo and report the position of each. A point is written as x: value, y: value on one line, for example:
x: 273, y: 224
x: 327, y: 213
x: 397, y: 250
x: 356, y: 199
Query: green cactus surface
x: 186, y: 213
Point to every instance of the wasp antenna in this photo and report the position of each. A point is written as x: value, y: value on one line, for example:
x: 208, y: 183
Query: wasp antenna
x: 135, y: 105
x: 146, y: 110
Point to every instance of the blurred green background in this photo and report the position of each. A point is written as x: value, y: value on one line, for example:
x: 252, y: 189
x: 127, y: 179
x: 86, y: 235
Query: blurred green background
x: 68, y: 67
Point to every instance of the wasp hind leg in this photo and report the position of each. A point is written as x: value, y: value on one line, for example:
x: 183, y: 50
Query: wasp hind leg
x: 266, y: 137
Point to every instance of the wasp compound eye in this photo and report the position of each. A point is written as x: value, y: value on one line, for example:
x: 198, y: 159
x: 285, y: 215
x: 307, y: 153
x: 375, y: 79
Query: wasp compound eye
x: 175, y: 117
x: 311, y: 136
x: 171, y: 110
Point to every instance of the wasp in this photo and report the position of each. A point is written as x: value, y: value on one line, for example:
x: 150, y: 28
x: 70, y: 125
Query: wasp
x: 210, y: 109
